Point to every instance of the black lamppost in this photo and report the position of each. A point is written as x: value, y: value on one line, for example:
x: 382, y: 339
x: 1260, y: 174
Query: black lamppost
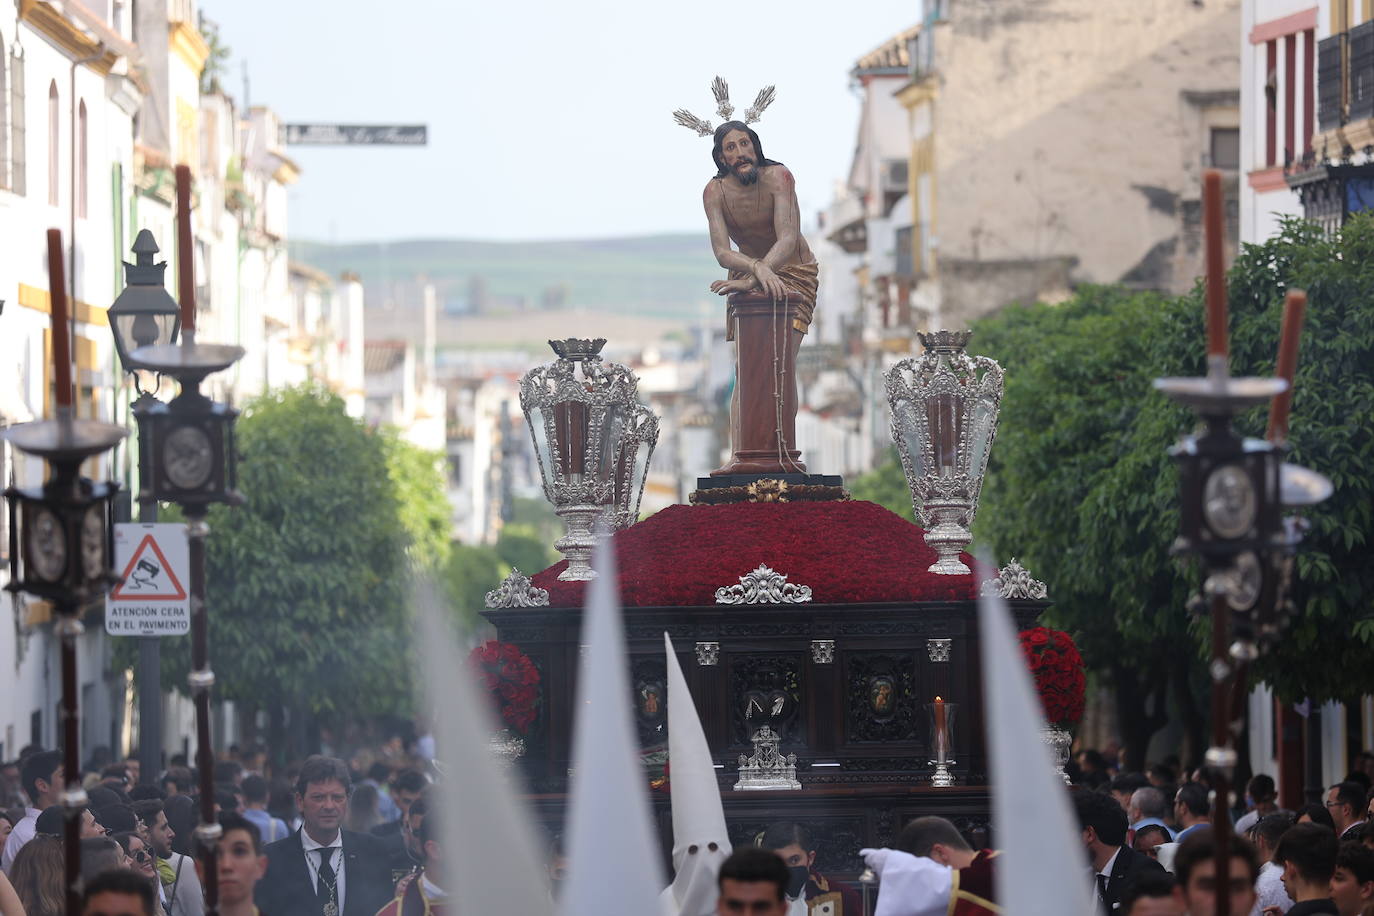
x: 1233, y: 493
x: 62, y: 541
x: 187, y: 456
x: 145, y: 315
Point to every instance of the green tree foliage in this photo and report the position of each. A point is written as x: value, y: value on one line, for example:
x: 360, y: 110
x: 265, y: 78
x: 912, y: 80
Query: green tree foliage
x: 1081, y: 490
x: 1325, y: 655
x: 418, y: 478
x: 473, y: 570
x: 306, y: 580
x: 525, y: 552
x: 885, y: 485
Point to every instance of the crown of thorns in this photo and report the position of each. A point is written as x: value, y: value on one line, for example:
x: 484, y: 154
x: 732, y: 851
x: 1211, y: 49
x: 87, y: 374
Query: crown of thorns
x: 721, y: 90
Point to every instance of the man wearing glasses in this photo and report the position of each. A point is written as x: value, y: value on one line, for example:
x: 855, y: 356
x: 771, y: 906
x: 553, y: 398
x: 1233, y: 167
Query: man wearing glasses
x: 1346, y: 802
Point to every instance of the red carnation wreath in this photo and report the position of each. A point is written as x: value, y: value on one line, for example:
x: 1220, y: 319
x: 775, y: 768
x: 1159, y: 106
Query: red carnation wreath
x: 1057, y: 667
x: 511, y: 679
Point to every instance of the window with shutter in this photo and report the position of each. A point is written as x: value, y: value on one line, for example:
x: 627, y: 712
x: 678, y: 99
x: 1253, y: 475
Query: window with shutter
x: 1362, y: 71
x: 1329, y: 80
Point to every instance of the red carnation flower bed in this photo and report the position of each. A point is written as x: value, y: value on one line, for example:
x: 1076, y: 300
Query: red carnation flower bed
x: 848, y: 553
x: 1054, y: 661
x: 511, y: 679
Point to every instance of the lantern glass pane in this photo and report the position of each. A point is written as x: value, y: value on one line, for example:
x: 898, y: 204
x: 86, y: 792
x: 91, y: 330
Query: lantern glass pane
x: 984, y: 418
x: 910, y: 430
x: 539, y: 431
x: 640, y: 471
x: 612, y: 440
x: 944, y: 417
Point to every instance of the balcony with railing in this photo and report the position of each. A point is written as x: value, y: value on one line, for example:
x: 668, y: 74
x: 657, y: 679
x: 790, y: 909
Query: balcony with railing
x: 1336, y: 178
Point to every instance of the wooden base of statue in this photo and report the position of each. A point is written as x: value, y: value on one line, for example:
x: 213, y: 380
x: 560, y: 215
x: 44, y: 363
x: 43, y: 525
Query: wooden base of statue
x: 763, y: 428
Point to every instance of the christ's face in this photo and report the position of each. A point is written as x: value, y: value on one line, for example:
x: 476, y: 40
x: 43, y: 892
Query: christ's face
x: 740, y: 158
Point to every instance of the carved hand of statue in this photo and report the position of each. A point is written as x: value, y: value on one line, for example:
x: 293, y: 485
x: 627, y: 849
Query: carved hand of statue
x: 726, y: 287
x: 768, y: 281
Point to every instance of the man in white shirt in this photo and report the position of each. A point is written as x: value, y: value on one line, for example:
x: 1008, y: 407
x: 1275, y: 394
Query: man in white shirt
x: 42, y: 776
x: 1261, y: 793
x: 1269, y: 885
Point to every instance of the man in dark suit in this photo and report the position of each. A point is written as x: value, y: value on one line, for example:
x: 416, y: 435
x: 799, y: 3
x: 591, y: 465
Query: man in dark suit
x: 1115, y: 865
x: 322, y: 869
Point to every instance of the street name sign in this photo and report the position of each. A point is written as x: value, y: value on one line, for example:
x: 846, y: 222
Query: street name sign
x: 153, y: 600
x: 355, y: 134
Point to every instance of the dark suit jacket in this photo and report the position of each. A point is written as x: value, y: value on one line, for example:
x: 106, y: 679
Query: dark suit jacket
x: 1128, y: 866
x: 286, y: 889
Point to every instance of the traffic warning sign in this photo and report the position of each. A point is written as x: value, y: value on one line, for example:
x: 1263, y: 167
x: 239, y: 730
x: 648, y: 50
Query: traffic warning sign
x: 154, y: 562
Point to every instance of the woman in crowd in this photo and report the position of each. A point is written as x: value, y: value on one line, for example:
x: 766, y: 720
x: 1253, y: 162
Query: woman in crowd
x: 37, y: 876
x: 140, y: 858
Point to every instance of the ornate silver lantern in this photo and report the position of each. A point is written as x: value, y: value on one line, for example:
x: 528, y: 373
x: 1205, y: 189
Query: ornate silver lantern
x: 944, y: 418
x: 593, y: 440
x: 632, y: 464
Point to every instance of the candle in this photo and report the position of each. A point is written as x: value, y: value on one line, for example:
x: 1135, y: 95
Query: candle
x: 186, y: 275
x: 61, y: 326
x: 1294, y: 309
x: 941, y: 734
x: 1214, y: 232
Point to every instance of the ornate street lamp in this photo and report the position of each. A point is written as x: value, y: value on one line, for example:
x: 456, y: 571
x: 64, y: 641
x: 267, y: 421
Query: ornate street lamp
x: 1233, y: 492
x: 144, y: 315
x: 593, y: 440
x: 187, y: 456
x: 62, y: 540
x: 944, y: 418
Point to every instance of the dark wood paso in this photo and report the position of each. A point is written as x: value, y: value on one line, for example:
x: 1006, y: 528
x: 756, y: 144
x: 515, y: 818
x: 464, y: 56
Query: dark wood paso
x: 858, y: 724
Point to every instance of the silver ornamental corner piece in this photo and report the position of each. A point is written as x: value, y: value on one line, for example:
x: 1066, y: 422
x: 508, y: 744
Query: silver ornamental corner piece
x: 1014, y: 581
x: 938, y: 649
x: 763, y: 586
x: 708, y: 654
x: 767, y: 768
x: 516, y: 590
x: 823, y: 651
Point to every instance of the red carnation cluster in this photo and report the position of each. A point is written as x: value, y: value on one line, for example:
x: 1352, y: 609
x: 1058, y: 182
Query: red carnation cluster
x: 848, y: 552
x: 1058, y: 669
x: 511, y: 679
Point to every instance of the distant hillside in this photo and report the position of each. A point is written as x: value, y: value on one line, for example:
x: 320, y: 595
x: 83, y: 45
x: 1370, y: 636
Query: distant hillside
x: 662, y: 275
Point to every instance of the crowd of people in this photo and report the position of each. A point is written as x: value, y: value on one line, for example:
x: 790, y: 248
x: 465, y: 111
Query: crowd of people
x: 354, y: 838
x: 1149, y: 850
x: 326, y: 837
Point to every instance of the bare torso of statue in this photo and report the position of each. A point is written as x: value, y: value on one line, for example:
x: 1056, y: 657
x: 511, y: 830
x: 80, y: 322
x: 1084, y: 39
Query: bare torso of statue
x: 754, y: 206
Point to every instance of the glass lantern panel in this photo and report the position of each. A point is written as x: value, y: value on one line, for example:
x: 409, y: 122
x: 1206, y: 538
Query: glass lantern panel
x: 612, y: 441
x: 638, y: 475
x: 904, y: 411
x: 540, y: 434
x: 984, y: 415
x: 944, y: 415
x: 570, y: 433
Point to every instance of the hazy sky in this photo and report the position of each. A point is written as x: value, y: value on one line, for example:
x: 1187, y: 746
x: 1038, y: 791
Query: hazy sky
x: 546, y: 119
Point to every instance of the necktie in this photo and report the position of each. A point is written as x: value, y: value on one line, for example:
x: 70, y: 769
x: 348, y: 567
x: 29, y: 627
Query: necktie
x: 327, y: 890
x: 1102, y: 891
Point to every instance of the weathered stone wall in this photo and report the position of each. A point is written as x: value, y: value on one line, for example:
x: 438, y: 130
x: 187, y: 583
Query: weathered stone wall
x: 1075, y: 129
